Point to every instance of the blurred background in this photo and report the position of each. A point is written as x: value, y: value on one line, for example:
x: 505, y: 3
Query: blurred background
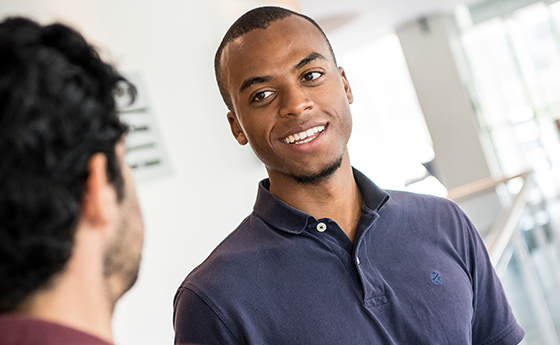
x: 459, y: 99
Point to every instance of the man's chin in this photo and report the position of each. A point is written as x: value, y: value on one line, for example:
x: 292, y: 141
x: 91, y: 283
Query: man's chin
x: 314, y: 178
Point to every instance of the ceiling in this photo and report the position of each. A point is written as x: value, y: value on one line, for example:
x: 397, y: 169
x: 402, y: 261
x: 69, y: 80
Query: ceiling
x: 380, y: 15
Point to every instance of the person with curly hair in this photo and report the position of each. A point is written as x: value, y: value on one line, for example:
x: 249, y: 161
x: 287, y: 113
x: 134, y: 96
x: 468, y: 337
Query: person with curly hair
x: 71, y: 231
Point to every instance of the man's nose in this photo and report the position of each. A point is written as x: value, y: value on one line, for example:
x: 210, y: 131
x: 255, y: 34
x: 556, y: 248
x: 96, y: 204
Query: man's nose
x: 295, y: 101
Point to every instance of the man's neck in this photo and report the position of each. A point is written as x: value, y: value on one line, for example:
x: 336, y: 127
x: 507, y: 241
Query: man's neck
x: 336, y: 197
x: 74, y: 303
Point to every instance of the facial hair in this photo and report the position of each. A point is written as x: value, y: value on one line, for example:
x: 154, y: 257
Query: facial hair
x: 120, y: 259
x: 322, y: 175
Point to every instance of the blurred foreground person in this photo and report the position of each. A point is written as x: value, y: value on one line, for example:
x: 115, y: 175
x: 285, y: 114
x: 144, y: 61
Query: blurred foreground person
x: 327, y: 257
x: 71, y: 232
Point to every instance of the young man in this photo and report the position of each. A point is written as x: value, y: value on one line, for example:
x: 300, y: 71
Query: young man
x: 327, y: 257
x: 71, y: 231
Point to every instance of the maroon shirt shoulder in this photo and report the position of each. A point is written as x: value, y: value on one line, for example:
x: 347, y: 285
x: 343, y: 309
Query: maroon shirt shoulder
x: 22, y: 330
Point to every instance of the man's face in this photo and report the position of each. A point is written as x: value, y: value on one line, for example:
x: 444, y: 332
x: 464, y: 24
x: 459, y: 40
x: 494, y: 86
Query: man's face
x: 290, y: 101
x: 123, y: 254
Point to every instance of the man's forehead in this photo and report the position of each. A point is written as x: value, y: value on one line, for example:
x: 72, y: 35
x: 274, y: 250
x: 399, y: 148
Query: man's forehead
x: 274, y: 39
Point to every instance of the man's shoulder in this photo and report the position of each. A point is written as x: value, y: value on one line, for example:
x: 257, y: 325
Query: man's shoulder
x: 22, y: 330
x: 235, y: 257
x: 408, y: 199
x: 429, y: 214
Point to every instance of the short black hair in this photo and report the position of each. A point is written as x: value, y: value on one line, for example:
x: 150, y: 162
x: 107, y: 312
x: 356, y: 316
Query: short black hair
x: 258, y: 18
x: 57, y: 109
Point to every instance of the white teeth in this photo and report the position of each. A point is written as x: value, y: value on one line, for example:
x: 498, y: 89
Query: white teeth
x: 295, y: 138
x: 305, y: 141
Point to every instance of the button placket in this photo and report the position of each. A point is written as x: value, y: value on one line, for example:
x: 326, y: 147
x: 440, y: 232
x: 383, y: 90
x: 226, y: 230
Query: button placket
x: 372, y: 283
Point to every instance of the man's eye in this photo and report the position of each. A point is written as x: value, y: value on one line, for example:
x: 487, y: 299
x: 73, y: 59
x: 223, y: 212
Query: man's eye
x: 259, y: 96
x: 312, y: 76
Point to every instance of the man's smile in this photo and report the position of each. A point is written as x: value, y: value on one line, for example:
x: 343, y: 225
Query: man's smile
x: 304, y: 136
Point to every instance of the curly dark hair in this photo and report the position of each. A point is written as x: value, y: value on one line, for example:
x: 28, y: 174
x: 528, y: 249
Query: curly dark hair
x: 57, y: 109
x: 258, y: 18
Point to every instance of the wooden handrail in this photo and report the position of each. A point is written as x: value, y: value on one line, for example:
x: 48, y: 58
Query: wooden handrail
x: 480, y: 185
x: 503, y: 229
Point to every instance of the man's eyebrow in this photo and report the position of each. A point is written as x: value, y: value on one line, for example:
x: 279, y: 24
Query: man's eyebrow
x: 256, y: 80
x: 306, y: 60
x: 251, y: 81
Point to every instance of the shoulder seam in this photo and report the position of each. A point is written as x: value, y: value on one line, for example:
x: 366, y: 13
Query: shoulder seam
x: 212, y: 307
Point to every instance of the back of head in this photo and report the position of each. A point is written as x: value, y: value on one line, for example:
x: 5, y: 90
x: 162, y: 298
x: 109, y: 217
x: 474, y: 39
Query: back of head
x: 56, y: 110
x: 258, y: 18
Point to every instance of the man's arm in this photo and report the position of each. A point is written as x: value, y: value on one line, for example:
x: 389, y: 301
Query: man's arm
x: 195, y: 321
x: 493, y: 320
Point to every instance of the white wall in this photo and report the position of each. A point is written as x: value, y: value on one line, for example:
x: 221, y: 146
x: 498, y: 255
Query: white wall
x: 214, y: 181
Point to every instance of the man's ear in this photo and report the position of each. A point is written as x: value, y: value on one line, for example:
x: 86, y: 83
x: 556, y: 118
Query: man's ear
x: 236, y: 129
x: 99, y: 193
x: 347, y: 88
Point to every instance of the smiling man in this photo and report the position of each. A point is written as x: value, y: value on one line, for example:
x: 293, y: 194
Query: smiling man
x: 327, y: 257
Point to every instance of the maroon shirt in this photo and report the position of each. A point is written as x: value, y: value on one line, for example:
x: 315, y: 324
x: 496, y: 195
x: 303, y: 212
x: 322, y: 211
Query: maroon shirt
x: 22, y: 330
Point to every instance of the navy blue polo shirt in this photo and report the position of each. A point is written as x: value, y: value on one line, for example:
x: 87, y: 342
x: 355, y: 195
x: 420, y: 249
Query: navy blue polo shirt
x: 417, y: 273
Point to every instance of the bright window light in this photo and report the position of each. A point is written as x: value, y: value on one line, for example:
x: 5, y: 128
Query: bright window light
x: 390, y: 139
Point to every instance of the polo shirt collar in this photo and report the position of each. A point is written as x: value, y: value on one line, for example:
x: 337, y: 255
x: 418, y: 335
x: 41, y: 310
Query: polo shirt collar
x: 374, y: 197
x: 282, y: 216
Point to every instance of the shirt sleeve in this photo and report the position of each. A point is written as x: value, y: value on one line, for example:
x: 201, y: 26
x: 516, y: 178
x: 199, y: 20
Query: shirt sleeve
x: 195, y: 321
x: 493, y: 321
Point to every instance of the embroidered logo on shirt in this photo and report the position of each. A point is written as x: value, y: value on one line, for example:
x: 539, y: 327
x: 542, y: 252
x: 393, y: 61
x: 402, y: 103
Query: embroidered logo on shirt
x: 436, y: 278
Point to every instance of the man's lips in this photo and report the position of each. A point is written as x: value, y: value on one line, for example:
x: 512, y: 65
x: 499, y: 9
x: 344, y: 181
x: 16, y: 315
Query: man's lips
x: 304, y: 137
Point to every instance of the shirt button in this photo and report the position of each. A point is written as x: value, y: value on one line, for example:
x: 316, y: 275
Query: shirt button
x: 358, y: 260
x: 321, y: 227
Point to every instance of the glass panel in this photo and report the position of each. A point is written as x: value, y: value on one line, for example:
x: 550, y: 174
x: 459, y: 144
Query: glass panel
x: 514, y: 60
x: 518, y: 297
x: 515, y: 68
